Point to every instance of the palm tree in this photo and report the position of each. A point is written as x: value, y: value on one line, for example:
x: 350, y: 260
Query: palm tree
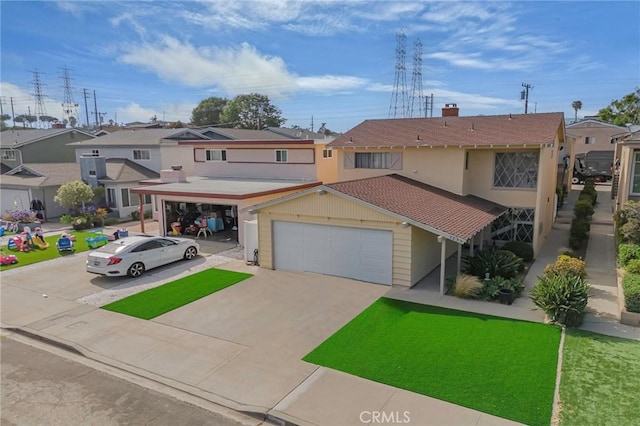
x: 576, y: 105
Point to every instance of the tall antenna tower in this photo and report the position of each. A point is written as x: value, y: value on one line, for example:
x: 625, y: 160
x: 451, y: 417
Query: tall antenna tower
x: 40, y: 109
x: 399, y: 95
x: 416, y: 81
x: 69, y: 106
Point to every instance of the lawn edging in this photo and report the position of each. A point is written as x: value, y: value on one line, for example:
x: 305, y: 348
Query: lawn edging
x: 555, y: 412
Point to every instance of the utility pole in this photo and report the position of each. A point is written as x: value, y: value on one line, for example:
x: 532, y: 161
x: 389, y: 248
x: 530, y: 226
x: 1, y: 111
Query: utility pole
x: 95, y: 105
x: 86, y: 108
x: 399, y: 98
x: 312, y: 123
x: 428, y: 106
x: 13, y: 114
x: 524, y: 95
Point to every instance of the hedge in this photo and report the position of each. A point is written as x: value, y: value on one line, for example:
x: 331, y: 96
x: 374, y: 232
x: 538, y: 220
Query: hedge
x: 631, y: 290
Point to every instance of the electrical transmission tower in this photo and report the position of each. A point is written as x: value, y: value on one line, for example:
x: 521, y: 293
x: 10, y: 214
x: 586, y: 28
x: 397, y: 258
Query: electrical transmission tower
x: 69, y: 106
x: 40, y: 109
x: 416, y: 81
x: 399, y: 103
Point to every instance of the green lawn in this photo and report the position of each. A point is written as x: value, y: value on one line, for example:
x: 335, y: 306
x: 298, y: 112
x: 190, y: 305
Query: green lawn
x: 38, y: 255
x: 160, y: 300
x: 600, y: 382
x: 499, y: 366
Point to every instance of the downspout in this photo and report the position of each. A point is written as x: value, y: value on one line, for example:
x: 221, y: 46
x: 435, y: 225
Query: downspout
x: 443, y: 258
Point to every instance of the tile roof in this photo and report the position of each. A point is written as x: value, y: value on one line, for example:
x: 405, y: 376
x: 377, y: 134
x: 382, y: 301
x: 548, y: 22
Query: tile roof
x: 512, y: 129
x: 460, y: 217
x: 18, y: 137
x: 138, y: 137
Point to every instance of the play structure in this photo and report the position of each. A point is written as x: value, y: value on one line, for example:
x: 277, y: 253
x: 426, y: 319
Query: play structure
x: 27, y: 241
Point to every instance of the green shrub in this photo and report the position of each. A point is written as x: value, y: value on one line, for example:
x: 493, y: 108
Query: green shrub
x: 583, y: 208
x: 628, y: 223
x: 628, y: 252
x: 521, y: 249
x: 501, y: 263
x: 491, y: 287
x: 633, y: 267
x: 579, y: 230
x: 562, y: 297
x: 135, y: 215
x: 631, y: 290
x: 467, y: 286
x: 566, y: 265
x: 110, y: 221
x: 575, y: 243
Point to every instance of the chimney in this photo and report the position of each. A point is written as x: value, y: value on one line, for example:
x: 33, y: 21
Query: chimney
x: 173, y: 175
x: 450, y: 110
x: 92, y: 168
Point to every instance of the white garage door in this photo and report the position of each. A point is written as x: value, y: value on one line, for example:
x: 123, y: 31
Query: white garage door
x: 361, y: 254
x: 15, y: 199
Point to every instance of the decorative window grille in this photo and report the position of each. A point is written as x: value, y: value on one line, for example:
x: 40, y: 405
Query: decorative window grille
x: 516, y: 170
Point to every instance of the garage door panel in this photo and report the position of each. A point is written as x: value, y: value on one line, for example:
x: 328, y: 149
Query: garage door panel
x: 358, y: 253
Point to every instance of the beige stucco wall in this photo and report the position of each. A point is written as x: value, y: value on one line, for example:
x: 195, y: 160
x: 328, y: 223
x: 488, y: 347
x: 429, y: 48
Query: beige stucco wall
x: 545, y: 199
x: 413, y: 251
x: 626, y: 153
x: 326, y: 168
x: 177, y: 155
x: 602, y: 132
x: 439, y: 166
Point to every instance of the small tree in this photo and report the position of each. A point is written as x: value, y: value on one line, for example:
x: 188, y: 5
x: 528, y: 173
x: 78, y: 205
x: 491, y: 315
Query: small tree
x: 576, y: 105
x: 74, y: 195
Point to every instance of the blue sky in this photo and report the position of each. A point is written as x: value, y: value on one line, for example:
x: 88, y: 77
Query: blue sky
x: 333, y: 60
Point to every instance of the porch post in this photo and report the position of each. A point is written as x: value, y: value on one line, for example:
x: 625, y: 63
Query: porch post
x: 481, y: 233
x: 459, y: 258
x: 141, y: 210
x: 443, y: 259
x: 471, y: 244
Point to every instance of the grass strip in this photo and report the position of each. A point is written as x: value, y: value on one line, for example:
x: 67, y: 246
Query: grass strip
x: 156, y: 301
x: 600, y: 382
x: 40, y: 255
x: 495, y: 365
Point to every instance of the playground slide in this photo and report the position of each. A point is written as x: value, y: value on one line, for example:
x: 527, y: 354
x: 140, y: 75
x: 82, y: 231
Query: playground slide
x: 40, y: 244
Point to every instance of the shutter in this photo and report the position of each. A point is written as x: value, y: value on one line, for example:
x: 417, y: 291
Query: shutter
x: 396, y: 161
x: 349, y: 160
x: 199, y: 155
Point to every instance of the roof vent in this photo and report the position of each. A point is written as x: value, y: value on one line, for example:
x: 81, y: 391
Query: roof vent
x: 176, y: 167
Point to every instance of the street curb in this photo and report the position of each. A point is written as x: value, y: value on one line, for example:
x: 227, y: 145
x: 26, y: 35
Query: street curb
x: 174, y: 388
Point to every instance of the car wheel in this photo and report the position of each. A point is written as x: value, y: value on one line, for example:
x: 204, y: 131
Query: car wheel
x: 190, y: 253
x: 575, y: 180
x: 136, y: 270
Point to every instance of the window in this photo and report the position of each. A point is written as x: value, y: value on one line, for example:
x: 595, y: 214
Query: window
x: 8, y: 154
x: 466, y: 160
x: 125, y: 197
x: 141, y: 154
x: 111, y: 198
x: 635, y: 174
x: 589, y: 140
x: 147, y: 198
x: 92, y: 173
x: 516, y: 170
x: 516, y: 225
x: 95, y: 152
x: 373, y: 160
x: 216, y: 155
x: 327, y: 153
x: 281, y: 155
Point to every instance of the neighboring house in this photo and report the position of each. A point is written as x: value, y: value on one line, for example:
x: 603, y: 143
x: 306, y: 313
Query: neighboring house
x: 154, y: 149
x: 593, y: 135
x: 626, y: 182
x: 229, y: 175
x: 39, y: 146
x: 411, y: 192
x: 41, y: 181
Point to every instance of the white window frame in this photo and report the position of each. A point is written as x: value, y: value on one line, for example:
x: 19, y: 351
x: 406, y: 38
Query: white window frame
x: 216, y: 155
x: 138, y: 154
x: 635, y: 170
x: 327, y: 153
x: 125, y: 195
x: 589, y: 140
x: 112, y: 198
x: 92, y: 173
x: 281, y: 156
x: 525, y: 179
x: 95, y: 152
x: 372, y: 160
x: 9, y: 154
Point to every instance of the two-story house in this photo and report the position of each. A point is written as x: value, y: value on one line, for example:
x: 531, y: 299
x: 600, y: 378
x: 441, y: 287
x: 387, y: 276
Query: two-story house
x: 592, y: 134
x: 228, y: 175
x: 35, y: 146
x: 411, y: 192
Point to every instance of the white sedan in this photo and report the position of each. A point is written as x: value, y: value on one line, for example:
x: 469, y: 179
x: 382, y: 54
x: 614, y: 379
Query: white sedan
x: 134, y: 255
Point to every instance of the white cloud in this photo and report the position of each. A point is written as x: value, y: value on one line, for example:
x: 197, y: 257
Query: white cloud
x: 134, y: 112
x: 25, y: 103
x: 234, y: 70
x: 72, y: 7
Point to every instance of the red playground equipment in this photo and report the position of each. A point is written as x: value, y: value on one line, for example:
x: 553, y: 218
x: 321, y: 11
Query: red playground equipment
x: 18, y: 243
